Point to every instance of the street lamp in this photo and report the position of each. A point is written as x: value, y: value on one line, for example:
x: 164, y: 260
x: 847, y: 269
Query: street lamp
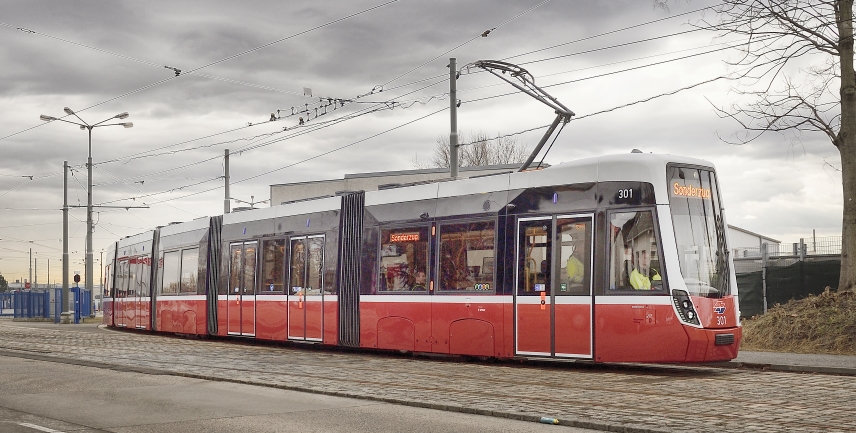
x: 89, y: 271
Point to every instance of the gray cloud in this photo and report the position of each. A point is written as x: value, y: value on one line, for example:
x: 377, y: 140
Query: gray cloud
x: 42, y: 75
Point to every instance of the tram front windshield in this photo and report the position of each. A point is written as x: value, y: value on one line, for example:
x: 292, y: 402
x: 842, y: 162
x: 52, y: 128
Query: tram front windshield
x: 699, y: 231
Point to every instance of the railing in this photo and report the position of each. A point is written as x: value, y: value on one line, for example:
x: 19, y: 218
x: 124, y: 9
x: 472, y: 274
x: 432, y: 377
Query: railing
x: 814, y: 246
x: 777, y: 273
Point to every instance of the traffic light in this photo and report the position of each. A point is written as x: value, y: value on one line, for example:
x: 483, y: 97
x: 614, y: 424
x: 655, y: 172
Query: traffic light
x: 76, y: 278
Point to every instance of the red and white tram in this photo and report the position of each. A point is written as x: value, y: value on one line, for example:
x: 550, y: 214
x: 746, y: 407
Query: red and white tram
x: 614, y: 259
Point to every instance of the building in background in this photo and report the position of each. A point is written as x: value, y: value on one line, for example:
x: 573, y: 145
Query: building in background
x: 744, y: 243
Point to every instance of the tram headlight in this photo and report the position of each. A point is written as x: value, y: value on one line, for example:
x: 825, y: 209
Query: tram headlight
x: 685, y: 307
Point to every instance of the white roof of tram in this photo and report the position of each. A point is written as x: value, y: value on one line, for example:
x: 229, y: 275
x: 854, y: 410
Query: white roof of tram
x: 637, y: 167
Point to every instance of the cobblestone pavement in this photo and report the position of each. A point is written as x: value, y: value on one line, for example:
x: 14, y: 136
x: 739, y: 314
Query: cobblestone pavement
x: 613, y: 398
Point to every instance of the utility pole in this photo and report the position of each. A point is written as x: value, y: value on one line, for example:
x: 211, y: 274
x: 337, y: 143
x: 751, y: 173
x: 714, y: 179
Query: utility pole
x: 49, y: 274
x: 64, y: 301
x: 226, y: 197
x: 31, y: 266
x: 453, y: 110
x: 36, y: 275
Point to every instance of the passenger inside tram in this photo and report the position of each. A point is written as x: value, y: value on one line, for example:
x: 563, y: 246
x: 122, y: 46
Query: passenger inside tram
x: 634, y: 246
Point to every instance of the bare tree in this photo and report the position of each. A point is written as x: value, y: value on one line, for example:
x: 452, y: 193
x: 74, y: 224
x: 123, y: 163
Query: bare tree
x: 478, y: 150
x: 779, y: 36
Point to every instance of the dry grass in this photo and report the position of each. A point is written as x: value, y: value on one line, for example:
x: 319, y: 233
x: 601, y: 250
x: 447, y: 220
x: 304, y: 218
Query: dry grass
x: 818, y: 324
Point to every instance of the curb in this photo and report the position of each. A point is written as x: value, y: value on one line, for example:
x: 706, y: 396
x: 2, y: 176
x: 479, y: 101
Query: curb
x: 592, y: 425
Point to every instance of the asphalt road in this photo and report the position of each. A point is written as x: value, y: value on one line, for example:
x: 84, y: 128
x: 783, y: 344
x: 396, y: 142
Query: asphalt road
x: 40, y: 396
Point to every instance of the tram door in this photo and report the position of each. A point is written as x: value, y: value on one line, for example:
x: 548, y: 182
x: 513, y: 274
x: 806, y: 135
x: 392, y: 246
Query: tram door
x: 306, y: 294
x: 553, y: 302
x: 119, y: 304
x: 140, y: 285
x: 241, y: 299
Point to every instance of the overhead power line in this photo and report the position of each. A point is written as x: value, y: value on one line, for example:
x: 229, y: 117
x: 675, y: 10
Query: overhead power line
x: 483, y: 34
x: 306, y: 159
x: 607, y: 33
x: 179, y: 72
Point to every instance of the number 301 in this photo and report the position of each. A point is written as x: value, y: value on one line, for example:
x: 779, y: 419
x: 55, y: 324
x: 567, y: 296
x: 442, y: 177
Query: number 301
x: 625, y: 193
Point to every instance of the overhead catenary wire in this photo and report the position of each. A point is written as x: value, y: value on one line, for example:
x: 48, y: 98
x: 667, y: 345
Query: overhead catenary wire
x: 607, y: 33
x: 491, y: 97
x: 480, y: 35
x: 172, y: 189
x: 314, y: 127
x: 235, y: 129
x: 605, y: 74
x: 307, y: 159
x: 179, y: 73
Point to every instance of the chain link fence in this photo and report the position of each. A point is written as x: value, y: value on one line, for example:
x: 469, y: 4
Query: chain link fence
x: 768, y: 275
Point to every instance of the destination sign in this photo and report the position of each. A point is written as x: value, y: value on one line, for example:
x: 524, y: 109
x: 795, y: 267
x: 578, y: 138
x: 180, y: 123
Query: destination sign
x: 404, y: 237
x: 690, y: 191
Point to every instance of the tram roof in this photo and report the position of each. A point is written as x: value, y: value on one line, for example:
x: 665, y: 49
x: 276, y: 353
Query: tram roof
x: 641, y: 167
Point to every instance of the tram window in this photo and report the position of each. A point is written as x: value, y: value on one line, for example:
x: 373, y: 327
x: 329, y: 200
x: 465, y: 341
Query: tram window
x: 574, y: 239
x: 145, y: 276
x: 118, y: 290
x: 235, y: 269
x: 108, y: 281
x: 134, y: 278
x: 298, y: 265
x: 467, y: 256
x: 315, y: 265
x: 369, y: 261
x: 404, y: 259
x: 126, y: 273
x: 535, y: 246
x: 189, y: 262
x: 635, y: 262
x: 249, y: 264
x: 157, y: 284
x: 144, y: 270
x: 171, y: 269
x: 273, y: 260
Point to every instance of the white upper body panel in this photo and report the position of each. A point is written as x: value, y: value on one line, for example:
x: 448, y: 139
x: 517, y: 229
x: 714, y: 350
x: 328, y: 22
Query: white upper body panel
x: 172, y: 229
x: 297, y: 208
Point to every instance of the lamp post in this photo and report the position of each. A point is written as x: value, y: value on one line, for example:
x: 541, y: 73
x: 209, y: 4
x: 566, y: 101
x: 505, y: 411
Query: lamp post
x: 88, y: 127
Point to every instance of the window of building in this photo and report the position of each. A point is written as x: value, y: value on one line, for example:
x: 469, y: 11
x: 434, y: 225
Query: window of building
x: 171, y: 273
x: 635, y: 264
x: 404, y: 259
x: 273, y: 261
x: 467, y: 255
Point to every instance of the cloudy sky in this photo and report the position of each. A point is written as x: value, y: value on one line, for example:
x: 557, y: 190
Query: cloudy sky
x: 101, y: 58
